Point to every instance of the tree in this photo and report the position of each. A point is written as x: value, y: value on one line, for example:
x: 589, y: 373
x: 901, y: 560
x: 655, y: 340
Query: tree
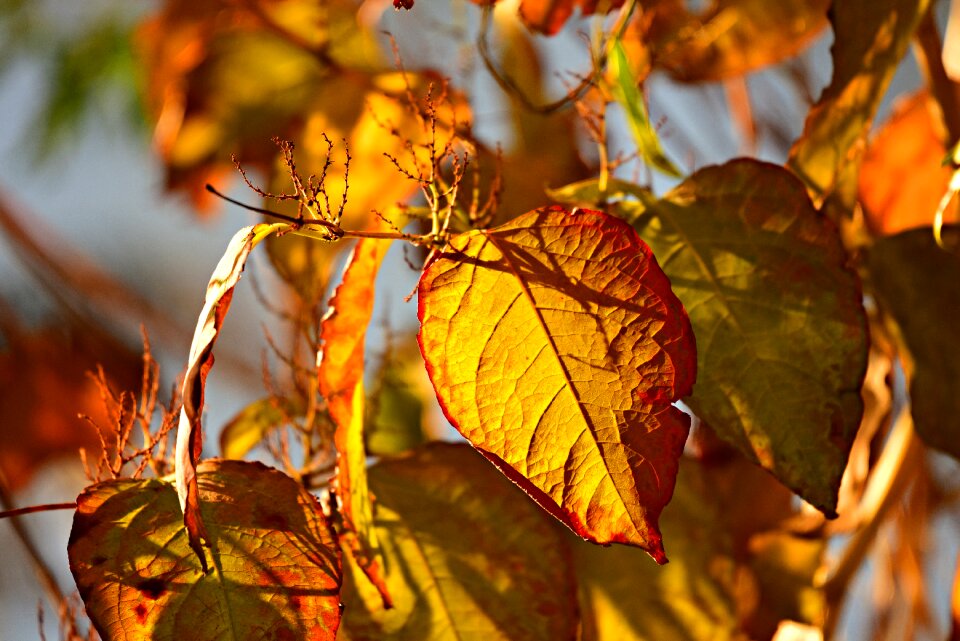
x: 566, y: 310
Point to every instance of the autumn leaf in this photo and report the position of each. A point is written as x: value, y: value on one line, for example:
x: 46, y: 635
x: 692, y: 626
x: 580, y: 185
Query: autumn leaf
x: 189, y: 430
x: 916, y: 281
x: 728, y: 557
x: 275, y: 571
x: 340, y: 375
x: 730, y: 37
x: 870, y: 38
x: 903, y: 176
x: 556, y: 347
x: 395, y: 423
x: 467, y: 557
x: 781, y: 330
x: 549, y: 16
x: 252, y: 424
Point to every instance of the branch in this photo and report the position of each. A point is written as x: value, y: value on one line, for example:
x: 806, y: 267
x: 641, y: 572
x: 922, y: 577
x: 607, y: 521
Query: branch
x: 48, y: 507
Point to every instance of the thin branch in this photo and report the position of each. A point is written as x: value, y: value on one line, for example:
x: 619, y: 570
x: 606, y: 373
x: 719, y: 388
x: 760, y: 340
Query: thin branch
x: 48, y: 507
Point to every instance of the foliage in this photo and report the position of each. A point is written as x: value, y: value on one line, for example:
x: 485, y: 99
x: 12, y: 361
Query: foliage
x: 574, y: 323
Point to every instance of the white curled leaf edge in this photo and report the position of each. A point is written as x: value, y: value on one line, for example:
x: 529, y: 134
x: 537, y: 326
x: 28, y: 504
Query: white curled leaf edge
x: 189, y: 429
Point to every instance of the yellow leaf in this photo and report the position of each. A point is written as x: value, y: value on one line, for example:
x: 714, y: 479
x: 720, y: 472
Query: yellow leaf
x: 556, y: 347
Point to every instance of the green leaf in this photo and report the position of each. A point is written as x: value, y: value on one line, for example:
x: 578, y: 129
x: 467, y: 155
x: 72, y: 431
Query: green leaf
x: 557, y: 348
x: 586, y: 193
x: 275, y: 571
x: 919, y: 283
x: 781, y: 330
x: 253, y: 423
x: 870, y: 38
x: 468, y: 557
x: 630, y: 97
x: 395, y: 424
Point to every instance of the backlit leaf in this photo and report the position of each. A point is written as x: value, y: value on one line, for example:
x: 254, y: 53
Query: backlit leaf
x: 275, y: 572
x: 781, y: 330
x: 729, y: 38
x: 253, y: 423
x: 919, y: 283
x: 556, y: 347
x: 189, y: 429
x: 870, y: 38
x: 632, y: 100
x: 468, y: 557
x: 903, y: 176
x: 340, y: 375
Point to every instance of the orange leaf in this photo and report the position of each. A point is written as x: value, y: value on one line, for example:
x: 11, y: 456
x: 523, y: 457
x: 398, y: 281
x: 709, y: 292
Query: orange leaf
x: 549, y: 16
x: 556, y: 346
x: 340, y: 375
x: 189, y: 430
x: 903, y: 176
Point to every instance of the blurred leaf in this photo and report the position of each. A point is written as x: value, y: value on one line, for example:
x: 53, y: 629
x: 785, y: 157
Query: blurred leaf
x: 631, y: 99
x: 720, y: 581
x: 781, y: 330
x: 918, y: 283
x: 245, y: 430
x: 586, y: 193
x: 44, y: 383
x: 275, y: 572
x: 870, y: 38
x: 730, y: 37
x: 903, y: 176
x: 340, y: 376
x: 396, y: 423
x: 549, y: 16
x: 225, y: 277
x: 468, y: 557
x: 538, y: 361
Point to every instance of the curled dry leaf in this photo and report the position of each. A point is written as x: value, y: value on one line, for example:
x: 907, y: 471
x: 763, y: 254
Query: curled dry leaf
x: 275, y: 572
x: 556, y: 347
x: 189, y: 430
x: 340, y: 376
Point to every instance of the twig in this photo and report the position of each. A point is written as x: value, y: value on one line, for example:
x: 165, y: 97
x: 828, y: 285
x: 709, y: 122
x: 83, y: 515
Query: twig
x: 944, y: 90
x: 44, y: 574
x: 47, y: 507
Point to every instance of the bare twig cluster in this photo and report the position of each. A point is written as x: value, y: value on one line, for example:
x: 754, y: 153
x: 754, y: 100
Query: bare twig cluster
x: 128, y: 411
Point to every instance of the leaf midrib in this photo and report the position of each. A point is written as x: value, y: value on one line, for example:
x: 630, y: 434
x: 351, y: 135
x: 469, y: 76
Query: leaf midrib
x: 566, y: 374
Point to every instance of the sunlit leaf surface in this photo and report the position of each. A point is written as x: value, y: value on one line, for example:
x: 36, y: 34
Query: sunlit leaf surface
x: 340, y: 376
x: 781, y: 330
x: 870, y: 38
x: 274, y: 571
x: 919, y: 283
x: 556, y: 347
x: 468, y: 556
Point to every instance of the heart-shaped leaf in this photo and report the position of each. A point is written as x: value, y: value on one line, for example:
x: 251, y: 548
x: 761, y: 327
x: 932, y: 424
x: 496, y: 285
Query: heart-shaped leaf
x: 467, y: 557
x: 556, y: 347
x: 275, y: 572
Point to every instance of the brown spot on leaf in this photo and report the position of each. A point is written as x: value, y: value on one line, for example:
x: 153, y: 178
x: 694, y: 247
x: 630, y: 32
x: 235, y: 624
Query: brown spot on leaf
x: 152, y: 588
x: 141, y: 612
